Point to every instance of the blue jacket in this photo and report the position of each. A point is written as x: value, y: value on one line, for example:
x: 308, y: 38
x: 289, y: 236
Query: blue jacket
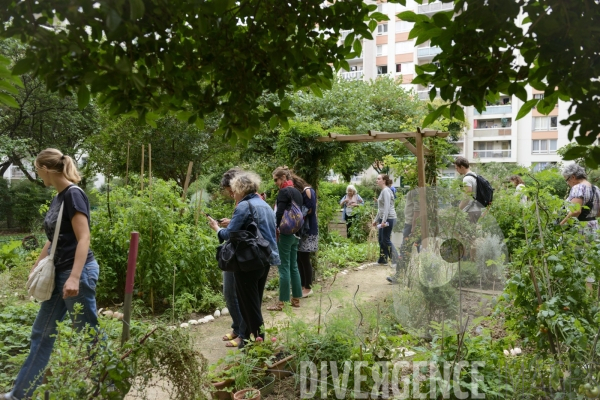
x: 265, y: 219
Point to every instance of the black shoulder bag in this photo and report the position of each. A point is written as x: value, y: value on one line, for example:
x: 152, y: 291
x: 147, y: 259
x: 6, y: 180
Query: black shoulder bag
x: 245, y: 250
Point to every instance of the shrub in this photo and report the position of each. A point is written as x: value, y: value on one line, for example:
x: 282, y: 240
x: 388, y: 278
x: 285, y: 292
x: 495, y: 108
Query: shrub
x: 27, y: 198
x: 172, y: 253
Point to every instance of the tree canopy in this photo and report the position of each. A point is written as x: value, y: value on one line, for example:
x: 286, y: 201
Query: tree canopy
x: 501, y: 46
x: 193, y: 58
x: 174, y: 145
x: 42, y: 119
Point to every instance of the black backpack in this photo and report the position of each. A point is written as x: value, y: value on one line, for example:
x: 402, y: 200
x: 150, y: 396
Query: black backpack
x: 485, y: 191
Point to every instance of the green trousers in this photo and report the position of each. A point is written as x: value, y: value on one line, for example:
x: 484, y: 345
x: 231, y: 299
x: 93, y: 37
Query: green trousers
x: 288, y: 270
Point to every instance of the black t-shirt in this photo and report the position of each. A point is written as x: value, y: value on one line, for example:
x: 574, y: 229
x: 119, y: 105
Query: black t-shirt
x: 75, y: 200
x: 284, y: 201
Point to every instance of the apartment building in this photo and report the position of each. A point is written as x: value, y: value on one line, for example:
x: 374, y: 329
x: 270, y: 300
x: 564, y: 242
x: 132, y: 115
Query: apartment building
x: 493, y: 135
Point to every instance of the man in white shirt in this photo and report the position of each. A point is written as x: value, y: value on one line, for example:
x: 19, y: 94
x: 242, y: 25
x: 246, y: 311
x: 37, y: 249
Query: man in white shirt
x: 468, y: 204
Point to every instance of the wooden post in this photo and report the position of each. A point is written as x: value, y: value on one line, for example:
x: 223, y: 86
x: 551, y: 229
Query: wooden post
x: 142, y: 172
x: 422, y: 196
x: 131, y: 262
x: 127, y: 167
x: 187, y: 180
x: 150, y: 169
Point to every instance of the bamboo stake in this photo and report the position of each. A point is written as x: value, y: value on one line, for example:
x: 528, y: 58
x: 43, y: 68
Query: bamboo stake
x: 142, y: 172
x: 150, y: 169
x: 187, y: 180
x: 198, y: 206
x: 127, y: 167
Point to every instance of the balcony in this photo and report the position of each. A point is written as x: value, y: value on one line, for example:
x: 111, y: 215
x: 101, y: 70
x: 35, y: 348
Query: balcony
x: 424, y: 94
x: 491, y: 153
x: 428, y: 52
x: 352, y: 75
x: 490, y: 132
x: 435, y: 7
x: 504, y: 109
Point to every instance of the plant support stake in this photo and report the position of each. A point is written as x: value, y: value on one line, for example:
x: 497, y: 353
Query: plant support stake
x: 133, y: 253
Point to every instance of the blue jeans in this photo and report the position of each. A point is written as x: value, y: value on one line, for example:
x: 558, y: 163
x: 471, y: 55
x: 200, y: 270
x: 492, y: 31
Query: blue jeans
x: 44, y: 328
x: 238, y: 326
x: 386, y: 248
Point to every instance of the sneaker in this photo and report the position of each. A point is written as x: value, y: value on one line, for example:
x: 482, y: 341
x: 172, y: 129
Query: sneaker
x: 392, y: 280
x: 307, y: 294
x: 381, y: 262
x: 8, y: 396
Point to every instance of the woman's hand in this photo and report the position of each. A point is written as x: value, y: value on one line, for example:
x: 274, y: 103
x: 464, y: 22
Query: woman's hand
x: 224, y: 223
x: 214, y: 225
x: 71, y: 287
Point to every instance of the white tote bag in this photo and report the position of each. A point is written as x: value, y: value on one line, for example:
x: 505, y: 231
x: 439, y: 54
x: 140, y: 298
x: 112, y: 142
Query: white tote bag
x: 41, y: 281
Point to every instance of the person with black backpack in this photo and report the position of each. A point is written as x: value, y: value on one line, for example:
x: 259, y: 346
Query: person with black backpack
x: 479, y: 189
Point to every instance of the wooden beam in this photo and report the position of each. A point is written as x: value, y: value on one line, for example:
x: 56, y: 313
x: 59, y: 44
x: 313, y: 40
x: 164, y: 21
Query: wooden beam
x: 375, y: 136
x: 413, y: 149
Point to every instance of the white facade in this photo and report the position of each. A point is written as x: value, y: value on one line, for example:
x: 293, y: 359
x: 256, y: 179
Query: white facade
x: 492, y: 136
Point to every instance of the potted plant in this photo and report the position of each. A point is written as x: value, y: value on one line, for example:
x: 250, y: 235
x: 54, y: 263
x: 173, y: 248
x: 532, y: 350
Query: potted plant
x: 222, y: 378
x: 252, y: 394
x: 271, y: 355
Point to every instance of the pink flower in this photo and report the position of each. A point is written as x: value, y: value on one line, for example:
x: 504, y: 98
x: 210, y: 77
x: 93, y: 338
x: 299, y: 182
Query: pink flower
x: 259, y: 339
x: 273, y: 339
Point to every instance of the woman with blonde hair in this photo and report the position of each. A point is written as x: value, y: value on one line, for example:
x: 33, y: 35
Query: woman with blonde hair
x: 76, y: 270
x: 250, y: 284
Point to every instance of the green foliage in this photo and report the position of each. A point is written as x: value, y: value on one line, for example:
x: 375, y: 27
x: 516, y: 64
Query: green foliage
x: 9, y: 255
x: 360, y: 106
x: 481, y: 43
x: 169, y: 249
x: 32, y: 126
x: 207, y: 64
x: 492, y: 368
x: 15, y: 332
x: 362, y: 219
x: 85, y: 366
x: 560, y: 259
x: 174, y: 144
x: 298, y: 148
x: 341, y: 254
x: 26, y: 200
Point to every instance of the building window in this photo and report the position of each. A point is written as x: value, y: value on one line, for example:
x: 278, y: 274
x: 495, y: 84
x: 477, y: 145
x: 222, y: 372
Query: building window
x: 545, y: 123
x: 405, y: 47
x: 407, y: 68
x: 381, y: 69
x: 538, y: 96
x: 543, y: 146
x: 404, y: 26
x: 382, y: 50
x: 382, y: 8
x: 382, y: 29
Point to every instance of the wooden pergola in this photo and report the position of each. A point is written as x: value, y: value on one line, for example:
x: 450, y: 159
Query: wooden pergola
x: 419, y: 150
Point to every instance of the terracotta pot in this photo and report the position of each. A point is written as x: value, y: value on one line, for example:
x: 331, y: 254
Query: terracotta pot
x: 241, y: 395
x: 282, y: 368
x: 221, y: 392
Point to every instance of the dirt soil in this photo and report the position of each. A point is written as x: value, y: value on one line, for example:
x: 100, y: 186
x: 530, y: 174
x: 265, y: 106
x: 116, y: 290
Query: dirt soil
x: 372, y: 286
x: 370, y: 282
